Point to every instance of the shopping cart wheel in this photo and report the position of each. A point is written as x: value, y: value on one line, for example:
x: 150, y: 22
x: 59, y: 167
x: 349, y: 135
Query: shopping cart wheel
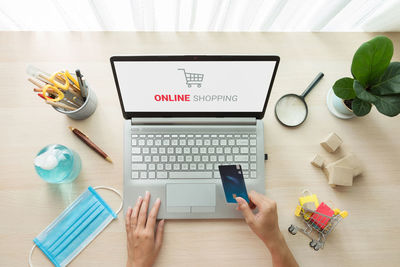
x: 199, y: 85
x: 189, y: 85
x: 313, y: 244
x: 317, y: 246
x: 292, y: 229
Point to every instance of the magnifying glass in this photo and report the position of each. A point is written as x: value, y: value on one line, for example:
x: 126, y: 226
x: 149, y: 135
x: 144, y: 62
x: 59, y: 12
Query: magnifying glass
x: 291, y: 110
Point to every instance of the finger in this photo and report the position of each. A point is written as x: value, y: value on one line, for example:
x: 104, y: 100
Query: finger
x: 151, y: 220
x: 143, y: 211
x: 135, y: 212
x: 257, y: 198
x: 245, y: 209
x: 159, y: 235
x: 128, y: 219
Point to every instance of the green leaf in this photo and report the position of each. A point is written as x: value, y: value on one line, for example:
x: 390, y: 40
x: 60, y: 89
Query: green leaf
x: 360, y: 107
x: 389, y: 82
x: 371, y: 60
x: 343, y: 88
x: 362, y: 93
x: 387, y: 105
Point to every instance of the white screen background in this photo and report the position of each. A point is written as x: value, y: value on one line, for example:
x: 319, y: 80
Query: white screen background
x: 139, y: 82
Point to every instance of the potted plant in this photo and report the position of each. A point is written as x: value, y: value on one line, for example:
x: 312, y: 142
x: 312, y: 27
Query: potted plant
x: 375, y: 81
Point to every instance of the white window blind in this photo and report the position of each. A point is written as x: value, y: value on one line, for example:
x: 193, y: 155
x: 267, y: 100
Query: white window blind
x: 200, y: 15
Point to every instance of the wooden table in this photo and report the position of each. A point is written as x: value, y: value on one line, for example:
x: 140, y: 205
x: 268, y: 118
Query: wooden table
x: 368, y: 237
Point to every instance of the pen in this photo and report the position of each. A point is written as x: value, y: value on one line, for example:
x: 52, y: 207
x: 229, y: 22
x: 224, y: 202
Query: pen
x: 88, y: 142
x: 84, y: 88
x: 81, y: 86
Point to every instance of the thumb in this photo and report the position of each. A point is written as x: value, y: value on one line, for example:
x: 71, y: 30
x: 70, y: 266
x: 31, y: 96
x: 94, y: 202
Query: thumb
x: 245, y: 209
x: 159, y: 235
x: 256, y: 198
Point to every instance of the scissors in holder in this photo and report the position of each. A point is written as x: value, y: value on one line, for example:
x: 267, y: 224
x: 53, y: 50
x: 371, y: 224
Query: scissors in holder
x: 62, y: 82
x: 53, y: 94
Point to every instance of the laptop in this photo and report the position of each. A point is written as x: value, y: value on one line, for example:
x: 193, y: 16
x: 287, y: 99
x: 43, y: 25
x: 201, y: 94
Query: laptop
x: 184, y: 116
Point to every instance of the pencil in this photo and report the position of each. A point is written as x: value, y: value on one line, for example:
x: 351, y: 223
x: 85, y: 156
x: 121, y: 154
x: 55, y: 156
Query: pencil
x: 35, y: 82
x: 60, y: 105
x: 88, y: 142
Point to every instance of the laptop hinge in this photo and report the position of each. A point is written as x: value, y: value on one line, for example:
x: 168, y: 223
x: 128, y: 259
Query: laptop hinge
x: 194, y: 121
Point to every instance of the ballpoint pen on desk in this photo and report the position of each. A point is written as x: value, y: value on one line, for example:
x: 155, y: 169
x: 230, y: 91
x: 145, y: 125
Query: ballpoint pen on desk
x: 88, y: 142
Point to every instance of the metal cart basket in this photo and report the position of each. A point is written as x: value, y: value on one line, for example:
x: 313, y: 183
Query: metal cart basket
x: 193, y: 78
x: 317, y: 225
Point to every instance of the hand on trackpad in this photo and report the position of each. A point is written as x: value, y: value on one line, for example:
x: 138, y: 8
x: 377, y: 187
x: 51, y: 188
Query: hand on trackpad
x: 190, y: 195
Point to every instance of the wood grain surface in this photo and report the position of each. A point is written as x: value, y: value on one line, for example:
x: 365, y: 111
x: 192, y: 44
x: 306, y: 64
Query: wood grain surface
x: 369, y: 236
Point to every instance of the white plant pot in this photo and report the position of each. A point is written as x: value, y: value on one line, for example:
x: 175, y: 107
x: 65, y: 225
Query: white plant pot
x: 337, y: 107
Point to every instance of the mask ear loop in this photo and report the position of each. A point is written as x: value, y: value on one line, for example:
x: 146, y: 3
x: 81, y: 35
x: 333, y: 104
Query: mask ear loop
x: 115, y: 191
x: 30, y: 256
x: 95, y: 188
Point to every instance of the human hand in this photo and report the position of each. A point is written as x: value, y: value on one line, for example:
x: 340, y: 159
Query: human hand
x: 265, y: 225
x: 143, y: 240
x: 265, y: 222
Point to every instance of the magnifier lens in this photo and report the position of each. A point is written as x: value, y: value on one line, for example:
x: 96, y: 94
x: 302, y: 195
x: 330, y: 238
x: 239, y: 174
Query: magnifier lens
x: 291, y: 110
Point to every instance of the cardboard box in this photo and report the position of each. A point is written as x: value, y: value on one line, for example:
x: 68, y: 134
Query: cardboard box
x: 318, y: 161
x: 332, y: 142
x: 341, y: 176
x: 349, y: 161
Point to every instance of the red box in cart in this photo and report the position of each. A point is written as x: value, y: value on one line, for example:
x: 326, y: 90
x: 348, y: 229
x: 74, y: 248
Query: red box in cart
x: 320, y: 220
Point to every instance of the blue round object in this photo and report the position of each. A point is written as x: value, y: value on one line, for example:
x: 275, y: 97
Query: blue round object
x: 57, y: 164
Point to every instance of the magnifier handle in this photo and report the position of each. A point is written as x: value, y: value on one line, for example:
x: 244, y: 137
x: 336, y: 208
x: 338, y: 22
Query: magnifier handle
x: 312, y: 84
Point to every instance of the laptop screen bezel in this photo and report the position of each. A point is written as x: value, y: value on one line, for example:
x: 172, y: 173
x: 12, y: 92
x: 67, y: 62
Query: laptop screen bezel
x: 258, y: 115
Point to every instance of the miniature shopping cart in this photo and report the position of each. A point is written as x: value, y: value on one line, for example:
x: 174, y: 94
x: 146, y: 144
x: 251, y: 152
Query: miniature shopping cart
x: 193, y: 78
x: 318, y: 225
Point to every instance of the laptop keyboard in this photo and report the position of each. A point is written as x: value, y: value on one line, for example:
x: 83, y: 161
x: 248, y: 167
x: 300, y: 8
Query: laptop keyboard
x: 191, y: 156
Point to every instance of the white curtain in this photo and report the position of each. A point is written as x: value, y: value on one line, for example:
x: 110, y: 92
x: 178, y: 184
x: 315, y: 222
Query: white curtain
x: 200, y: 15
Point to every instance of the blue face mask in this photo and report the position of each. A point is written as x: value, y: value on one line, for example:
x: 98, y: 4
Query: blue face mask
x: 76, y: 227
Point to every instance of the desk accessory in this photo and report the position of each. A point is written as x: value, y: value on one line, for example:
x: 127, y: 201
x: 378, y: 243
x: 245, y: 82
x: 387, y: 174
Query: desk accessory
x: 82, y: 85
x: 319, y: 221
x: 75, y: 227
x: 291, y: 110
x: 375, y: 81
x: 90, y: 143
x: 57, y: 164
x: 63, y: 92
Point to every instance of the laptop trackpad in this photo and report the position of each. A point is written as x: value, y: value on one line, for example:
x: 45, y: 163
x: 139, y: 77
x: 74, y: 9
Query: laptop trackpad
x: 190, y: 195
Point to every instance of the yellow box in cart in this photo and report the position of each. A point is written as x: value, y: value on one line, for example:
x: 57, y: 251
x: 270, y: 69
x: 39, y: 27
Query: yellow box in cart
x: 309, y: 201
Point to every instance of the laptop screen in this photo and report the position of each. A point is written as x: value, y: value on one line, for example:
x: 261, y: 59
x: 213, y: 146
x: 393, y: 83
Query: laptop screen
x: 194, y: 86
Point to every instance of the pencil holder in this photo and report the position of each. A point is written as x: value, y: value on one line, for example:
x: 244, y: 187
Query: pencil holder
x: 84, y: 111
